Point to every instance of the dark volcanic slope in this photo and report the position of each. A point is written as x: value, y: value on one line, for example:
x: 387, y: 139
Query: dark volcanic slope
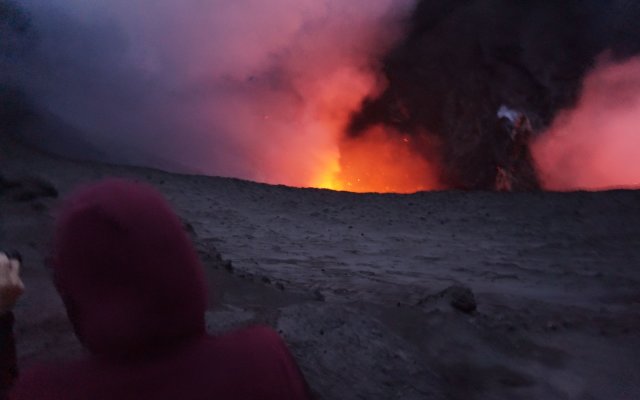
x: 355, y: 282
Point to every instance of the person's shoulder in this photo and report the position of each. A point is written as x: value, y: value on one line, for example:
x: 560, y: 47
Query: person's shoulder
x: 47, y: 380
x: 260, y: 346
x: 37, y: 382
x: 273, y: 371
x: 254, y: 338
x: 260, y: 333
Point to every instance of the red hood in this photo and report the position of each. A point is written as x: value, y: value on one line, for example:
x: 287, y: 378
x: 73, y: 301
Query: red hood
x: 127, y: 271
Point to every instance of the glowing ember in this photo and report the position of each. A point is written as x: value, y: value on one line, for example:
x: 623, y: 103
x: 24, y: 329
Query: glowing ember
x: 379, y: 161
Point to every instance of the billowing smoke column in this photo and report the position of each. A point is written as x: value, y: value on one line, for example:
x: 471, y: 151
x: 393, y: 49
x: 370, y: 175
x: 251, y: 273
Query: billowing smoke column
x: 596, y: 145
x: 255, y: 89
x: 463, y: 59
x: 360, y: 95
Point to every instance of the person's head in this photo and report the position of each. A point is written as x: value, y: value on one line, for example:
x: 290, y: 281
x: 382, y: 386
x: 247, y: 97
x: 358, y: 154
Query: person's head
x: 128, y: 273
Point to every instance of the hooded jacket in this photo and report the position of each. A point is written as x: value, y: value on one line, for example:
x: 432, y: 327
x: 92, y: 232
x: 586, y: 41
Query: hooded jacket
x: 135, y: 292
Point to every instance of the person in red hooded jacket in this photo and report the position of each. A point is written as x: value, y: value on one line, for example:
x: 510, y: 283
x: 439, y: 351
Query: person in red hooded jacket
x: 134, y: 290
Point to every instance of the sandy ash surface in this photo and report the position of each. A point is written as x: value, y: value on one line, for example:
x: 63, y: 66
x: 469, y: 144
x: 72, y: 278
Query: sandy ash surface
x: 357, y: 284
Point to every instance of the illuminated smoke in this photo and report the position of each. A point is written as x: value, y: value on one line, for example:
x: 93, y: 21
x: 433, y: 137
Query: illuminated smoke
x: 265, y: 90
x: 254, y: 89
x: 596, y: 145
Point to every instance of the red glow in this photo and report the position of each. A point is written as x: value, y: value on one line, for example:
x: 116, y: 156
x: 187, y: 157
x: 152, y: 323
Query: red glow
x: 596, y: 145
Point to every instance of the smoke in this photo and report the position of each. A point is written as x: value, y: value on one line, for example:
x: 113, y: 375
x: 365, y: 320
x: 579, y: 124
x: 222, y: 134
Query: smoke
x: 377, y: 95
x: 463, y: 59
x: 596, y: 145
x: 260, y: 90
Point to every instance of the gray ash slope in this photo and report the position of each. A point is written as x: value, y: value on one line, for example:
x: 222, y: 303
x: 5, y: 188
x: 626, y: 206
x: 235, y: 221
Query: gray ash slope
x: 360, y: 285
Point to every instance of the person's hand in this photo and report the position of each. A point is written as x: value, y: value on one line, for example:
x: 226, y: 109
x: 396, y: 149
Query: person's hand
x: 11, y: 286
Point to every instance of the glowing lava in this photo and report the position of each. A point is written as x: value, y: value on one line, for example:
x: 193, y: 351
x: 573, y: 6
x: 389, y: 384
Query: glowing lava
x: 379, y: 161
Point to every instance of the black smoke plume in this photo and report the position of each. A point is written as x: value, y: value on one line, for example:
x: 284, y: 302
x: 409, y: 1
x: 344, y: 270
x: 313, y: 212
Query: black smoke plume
x: 463, y: 59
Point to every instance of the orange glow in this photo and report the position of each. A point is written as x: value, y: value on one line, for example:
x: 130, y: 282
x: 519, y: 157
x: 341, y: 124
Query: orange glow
x: 378, y: 161
x: 299, y: 138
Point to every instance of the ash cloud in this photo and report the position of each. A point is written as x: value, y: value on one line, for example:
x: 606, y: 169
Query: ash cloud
x: 245, y: 88
x: 463, y: 59
x: 595, y: 145
x: 266, y: 90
